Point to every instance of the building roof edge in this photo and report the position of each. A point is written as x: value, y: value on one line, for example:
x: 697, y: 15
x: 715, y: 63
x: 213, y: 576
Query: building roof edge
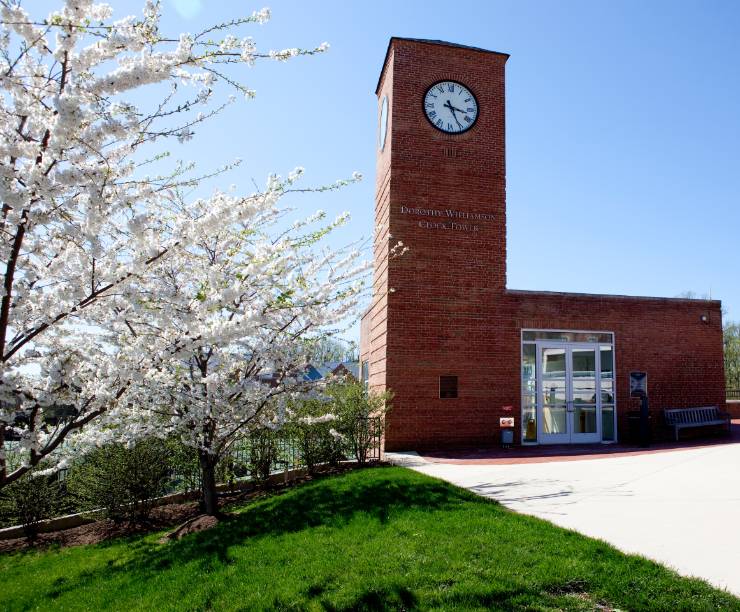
x: 607, y: 296
x: 429, y: 41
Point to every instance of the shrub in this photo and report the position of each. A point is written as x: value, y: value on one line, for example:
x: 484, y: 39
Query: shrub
x: 123, y: 480
x: 317, y: 445
x: 313, y: 435
x: 184, y: 465
x: 235, y: 465
x: 30, y: 500
x: 263, y: 453
x: 360, y: 417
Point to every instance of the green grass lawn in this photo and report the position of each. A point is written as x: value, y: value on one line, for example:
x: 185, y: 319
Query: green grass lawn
x: 382, y: 538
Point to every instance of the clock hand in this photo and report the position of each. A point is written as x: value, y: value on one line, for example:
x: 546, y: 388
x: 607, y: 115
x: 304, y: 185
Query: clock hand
x: 454, y: 114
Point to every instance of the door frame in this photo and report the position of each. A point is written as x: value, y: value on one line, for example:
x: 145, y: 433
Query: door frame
x: 568, y: 437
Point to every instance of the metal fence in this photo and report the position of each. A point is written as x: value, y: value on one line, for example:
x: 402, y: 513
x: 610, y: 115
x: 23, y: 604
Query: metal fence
x: 284, y: 454
x: 13, y: 456
x: 733, y: 394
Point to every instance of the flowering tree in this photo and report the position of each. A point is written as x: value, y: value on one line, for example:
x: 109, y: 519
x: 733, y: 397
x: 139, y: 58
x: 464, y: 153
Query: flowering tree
x: 238, y: 311
x: 89, y: 241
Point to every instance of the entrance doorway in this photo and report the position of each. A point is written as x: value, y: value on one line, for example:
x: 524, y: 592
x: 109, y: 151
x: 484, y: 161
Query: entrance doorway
x: 569, y: 405
x: 567, y: 387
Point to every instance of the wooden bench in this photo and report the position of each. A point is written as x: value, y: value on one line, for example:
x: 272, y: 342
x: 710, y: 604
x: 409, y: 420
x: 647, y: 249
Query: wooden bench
x: 682, y: 418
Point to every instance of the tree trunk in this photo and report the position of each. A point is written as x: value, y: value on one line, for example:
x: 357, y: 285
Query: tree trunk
x: 209, y: 498
x: 3, y: 468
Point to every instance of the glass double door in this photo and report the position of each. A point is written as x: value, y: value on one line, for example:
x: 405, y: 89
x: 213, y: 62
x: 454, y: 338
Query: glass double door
x: 569, y: 393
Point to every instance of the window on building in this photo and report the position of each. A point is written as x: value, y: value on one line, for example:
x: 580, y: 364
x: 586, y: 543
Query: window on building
x: 448, y: 387
x: 532, y: 335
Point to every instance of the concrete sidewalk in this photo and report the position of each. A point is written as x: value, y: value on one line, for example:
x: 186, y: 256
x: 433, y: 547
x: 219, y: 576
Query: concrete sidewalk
x: 681, y: 508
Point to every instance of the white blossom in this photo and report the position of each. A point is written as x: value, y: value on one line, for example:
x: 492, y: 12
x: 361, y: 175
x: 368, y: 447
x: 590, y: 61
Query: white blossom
x: 309, y: 420
x: 131, y: 309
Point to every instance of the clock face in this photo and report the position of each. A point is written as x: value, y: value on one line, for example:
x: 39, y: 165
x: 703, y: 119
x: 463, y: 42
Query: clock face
x: 383, y: 123
x: 450, y: 107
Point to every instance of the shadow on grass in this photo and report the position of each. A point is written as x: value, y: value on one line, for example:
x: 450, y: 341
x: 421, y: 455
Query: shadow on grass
x: 330, y: 502
x: 402, y: 598
x: 387, y: 598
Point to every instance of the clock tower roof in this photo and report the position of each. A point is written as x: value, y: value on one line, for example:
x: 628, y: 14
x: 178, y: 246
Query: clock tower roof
x: 429, y: 41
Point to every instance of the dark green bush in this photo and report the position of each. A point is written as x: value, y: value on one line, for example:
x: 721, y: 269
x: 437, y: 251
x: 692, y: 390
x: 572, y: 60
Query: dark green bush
x: 313, y: 437
x: 360, y: 417
x: 122, y: 480
x: 354, y: 431
x: 30, y: 500
x: 184, y: 465
x: 263, y: 453
x: 316, y: 446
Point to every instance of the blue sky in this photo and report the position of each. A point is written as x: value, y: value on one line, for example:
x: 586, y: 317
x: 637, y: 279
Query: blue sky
x: 623, y: 127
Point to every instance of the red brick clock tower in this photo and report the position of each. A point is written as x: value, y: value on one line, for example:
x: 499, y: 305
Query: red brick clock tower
x: 464, y: 355
x: 441, y: 189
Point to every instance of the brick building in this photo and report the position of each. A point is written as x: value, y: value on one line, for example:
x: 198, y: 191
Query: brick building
x: 460, y: 350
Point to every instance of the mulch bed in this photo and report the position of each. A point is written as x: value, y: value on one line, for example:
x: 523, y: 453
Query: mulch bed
x: 93, y: 533
x: 184, y: 517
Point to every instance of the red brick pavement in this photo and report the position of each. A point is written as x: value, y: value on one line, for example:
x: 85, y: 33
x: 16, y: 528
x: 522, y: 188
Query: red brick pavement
x: 544, y: 454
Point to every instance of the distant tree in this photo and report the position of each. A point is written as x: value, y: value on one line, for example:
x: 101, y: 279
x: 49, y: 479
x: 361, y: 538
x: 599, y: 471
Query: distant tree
x: 333, y: 349
x: 731, y: 335
x: 732, y: 354
x: 692, y: 295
